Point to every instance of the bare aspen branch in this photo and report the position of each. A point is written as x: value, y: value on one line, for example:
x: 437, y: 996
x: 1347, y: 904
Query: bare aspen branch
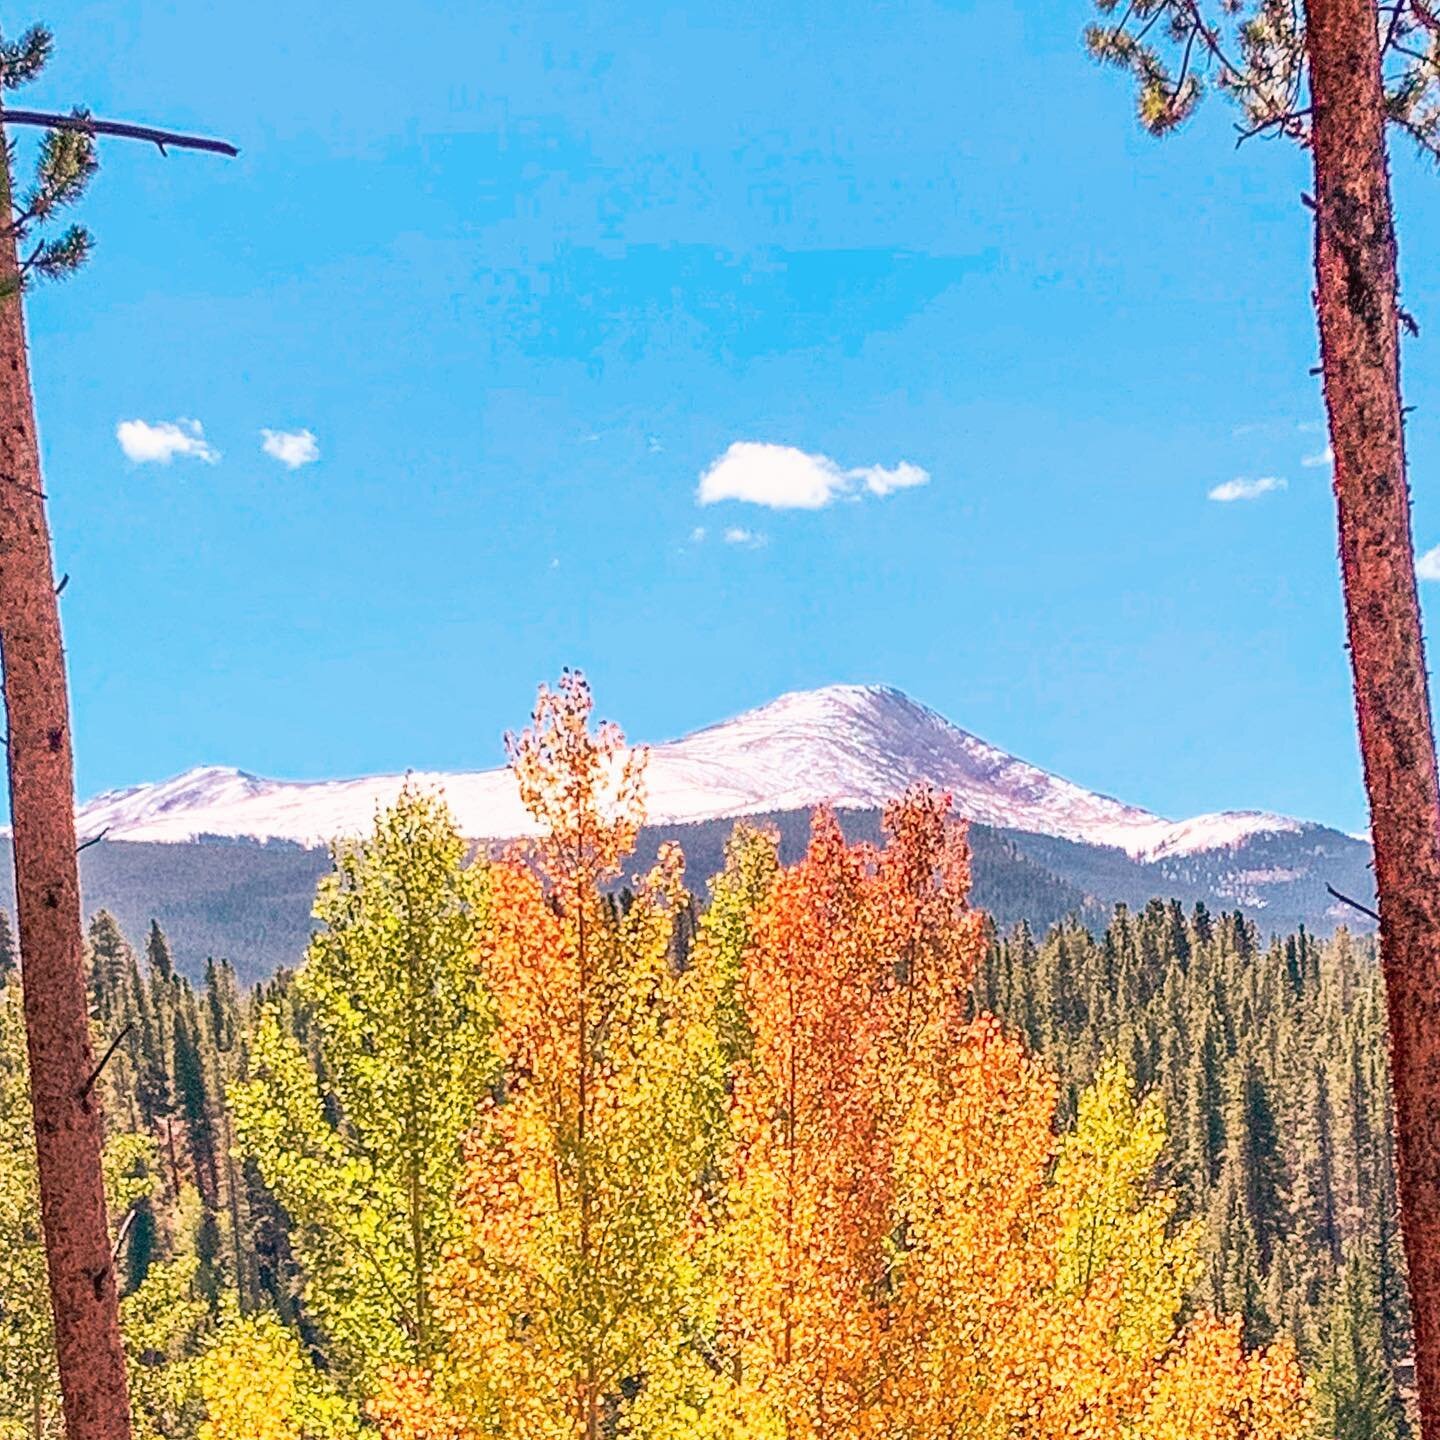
x: 124, y: 1232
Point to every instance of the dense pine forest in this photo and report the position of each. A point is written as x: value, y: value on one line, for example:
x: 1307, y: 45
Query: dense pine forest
x: 512, y: 1154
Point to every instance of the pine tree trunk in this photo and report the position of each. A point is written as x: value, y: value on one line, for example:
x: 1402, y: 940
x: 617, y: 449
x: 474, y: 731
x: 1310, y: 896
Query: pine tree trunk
x: 42, y: 810
x: 1356, y: 297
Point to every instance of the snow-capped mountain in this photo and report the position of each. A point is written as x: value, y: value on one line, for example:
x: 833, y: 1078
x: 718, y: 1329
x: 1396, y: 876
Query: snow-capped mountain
x: 852, y: 746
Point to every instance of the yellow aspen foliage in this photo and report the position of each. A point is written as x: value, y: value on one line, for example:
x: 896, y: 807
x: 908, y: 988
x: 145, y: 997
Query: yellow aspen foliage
x: 161, y: 1322
x: 357, y: 1132
x: 579, y: 1275
x: 1117, y: 1232
x: 256, y: 1383
x: 726, y: 929
x: 1042, y: 1279
x: 1210, y: 1385
x: 782, y: 1183
x: 974, y: 1271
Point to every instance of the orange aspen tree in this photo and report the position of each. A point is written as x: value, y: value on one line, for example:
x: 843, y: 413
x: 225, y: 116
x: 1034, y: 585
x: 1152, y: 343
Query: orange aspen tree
x: 912, y: 1251
x: 928, y: 937
x: 857, y: 956
x: 579, y: 1277
x: 809, y: 1195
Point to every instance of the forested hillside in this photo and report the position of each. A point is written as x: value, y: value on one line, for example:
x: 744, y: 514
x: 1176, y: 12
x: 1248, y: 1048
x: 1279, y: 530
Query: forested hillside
x: 251, y: 902
x: 514, y: 1153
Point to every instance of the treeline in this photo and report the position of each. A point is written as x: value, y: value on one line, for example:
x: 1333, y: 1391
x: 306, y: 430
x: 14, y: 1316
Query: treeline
x: 513, y: 1155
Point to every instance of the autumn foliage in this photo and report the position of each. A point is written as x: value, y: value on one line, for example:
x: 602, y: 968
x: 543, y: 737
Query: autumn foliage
x: 774, y: 1177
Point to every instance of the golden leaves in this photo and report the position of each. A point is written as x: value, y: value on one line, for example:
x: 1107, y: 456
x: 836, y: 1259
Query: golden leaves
x: 257, y: 1384
x: 780, y: 1183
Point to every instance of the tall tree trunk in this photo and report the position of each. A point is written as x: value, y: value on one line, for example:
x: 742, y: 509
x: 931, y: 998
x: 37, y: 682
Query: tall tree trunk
x: 42, y: 811
x: 1358, y: 307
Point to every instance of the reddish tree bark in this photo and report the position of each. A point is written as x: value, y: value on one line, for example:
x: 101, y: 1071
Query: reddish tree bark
x: 42, y: 811
x: 1356, y: 297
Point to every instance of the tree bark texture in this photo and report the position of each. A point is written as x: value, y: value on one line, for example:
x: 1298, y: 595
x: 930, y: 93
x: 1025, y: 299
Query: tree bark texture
x: 1358, y: 307
x: 42, y: 809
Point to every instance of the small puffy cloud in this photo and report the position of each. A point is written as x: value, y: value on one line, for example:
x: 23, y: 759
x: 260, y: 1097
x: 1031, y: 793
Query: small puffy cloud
x: 158, y: 443
x: 1427, y: 567
x: 697, y: 535
x: 880, y: 481
x: 1321, y: 457
x: 784, y: 478
x: 292, y: 448
x: 1246, y: 489
x: 739, y: 535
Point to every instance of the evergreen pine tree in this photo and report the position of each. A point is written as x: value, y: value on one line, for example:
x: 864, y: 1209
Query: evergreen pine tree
x: 157, y: 952
x: 1355, y: 1394
x: 1237, y: 1284
x: 109, y: 957
x: 194, y: 1105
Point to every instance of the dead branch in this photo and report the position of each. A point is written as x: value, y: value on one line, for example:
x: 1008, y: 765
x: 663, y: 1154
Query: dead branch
x: 105, y: 1058
x: 123, y: 1233
x: 88, y: 125
x: 1354, y: 904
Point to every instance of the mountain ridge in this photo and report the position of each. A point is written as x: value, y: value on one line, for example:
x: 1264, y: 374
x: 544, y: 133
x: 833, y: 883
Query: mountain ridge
x: 854, y: 747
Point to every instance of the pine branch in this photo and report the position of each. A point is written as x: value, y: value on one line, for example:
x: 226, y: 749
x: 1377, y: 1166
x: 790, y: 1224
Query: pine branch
x: 88, y: 125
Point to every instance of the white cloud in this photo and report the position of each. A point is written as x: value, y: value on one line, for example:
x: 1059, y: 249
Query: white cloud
x: 697, y: 535
x: 1427, y: 567
x: 292, y: 448
x: 784, y: 478
x: 880, y: 481
x: 160, y: 443
x: 738, y: 535
x: 1322, y: 457
x: 1246, y: 489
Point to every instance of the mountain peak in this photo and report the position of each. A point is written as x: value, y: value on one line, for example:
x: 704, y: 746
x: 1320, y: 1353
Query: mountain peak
x: 867, y: 706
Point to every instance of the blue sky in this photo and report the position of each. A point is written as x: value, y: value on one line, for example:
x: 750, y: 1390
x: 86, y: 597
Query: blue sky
x: 526, y: 273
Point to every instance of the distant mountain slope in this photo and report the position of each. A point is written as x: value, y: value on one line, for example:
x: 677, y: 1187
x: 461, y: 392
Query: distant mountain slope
x: 251, y: 902
x: 852, y: 746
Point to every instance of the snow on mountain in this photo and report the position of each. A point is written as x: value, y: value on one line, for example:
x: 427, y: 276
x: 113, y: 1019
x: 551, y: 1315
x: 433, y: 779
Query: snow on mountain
x: 852, y: 746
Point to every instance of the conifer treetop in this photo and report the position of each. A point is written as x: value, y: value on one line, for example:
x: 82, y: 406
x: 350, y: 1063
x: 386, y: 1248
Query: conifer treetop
x: 1254, y: 51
